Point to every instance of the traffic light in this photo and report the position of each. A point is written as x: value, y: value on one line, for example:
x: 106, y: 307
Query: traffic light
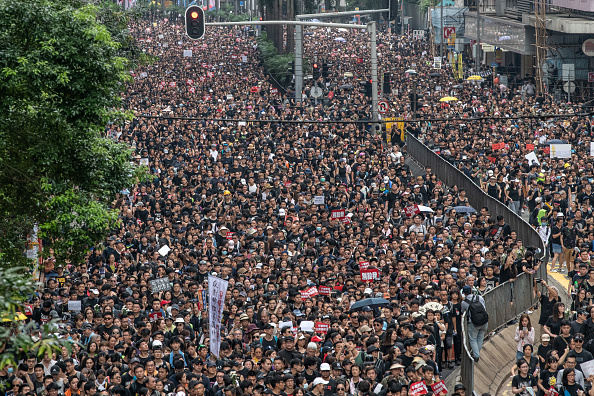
x: 325, y: 70
x: 316, y: 71
x: 386, y: 88
x: 393, y: 10
x: 366, y: 88
x: 195, y: 22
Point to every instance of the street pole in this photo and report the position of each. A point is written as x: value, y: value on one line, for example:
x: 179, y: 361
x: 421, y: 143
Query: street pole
x: 442, y: 30
x: 477, y: 60
x: 372, y: 44
x: 298, y: 62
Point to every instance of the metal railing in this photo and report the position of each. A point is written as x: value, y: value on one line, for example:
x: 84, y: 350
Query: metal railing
x: 510, y: 299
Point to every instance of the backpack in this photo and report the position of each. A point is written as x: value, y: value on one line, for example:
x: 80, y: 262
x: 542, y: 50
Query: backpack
x: 478, y: 314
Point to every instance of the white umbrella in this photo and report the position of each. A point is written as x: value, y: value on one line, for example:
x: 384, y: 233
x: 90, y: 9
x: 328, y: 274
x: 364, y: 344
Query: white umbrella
x: 425, y: 209
x: 341, y: 39
x: 411, y: 71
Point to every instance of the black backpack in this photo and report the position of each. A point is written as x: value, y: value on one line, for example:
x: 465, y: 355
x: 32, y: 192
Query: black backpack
x: 478, y: 314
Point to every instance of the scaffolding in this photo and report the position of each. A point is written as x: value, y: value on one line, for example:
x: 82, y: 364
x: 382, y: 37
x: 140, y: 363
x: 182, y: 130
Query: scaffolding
x: 540, y: 31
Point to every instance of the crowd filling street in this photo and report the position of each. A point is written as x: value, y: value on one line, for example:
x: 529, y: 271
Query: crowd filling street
x: 298, y: 209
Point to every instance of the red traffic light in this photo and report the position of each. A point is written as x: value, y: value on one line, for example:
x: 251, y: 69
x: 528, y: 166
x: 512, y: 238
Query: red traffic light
x: 195, y: 25
x: 315, y: 65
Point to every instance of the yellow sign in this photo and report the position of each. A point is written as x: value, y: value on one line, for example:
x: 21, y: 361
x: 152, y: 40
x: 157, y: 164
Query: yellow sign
x: 460, y: 67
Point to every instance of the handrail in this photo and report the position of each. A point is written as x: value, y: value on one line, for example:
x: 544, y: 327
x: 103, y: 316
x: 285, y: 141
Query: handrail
x: 510, y: 299
x: 466, y: 360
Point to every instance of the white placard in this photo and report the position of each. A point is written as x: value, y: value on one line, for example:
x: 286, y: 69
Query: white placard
x: 587, y: 368
x: 243, y: 59
x: 161, y: 36
x: 187, y: 53
x: 560, y: 150
x: 282, y: 325
x: 591, y: 149
x: 75, y: 305
x: 532, y: 158
x: 318, y: 200
x: 164, y: 250
x: 307, y: 325
x: 144, y: 161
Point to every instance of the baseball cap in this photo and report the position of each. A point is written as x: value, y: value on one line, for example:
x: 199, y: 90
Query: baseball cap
x: 324, y: 367
x: 319, y: 381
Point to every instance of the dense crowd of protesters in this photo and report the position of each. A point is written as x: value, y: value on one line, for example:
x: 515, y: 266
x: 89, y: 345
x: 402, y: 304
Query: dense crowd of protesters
x: 277, y: 207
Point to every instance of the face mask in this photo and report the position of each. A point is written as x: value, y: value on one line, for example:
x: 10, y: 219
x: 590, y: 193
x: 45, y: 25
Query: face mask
x: 224, y: 253
x: 9, y: 370
x: 318, y: 228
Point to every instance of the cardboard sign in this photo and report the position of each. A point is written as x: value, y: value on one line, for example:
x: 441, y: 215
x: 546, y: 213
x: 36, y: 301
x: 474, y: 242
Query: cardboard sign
x: 274, y: 91
x: 318, y: 200
x: 28, y: 310
x: 154, y: 316
x: 418, y: 388
x: 254, y: 90
x: 439, y: 388
x: 363, y: 265
x: 330, y: 94
x: 172, y: 84
x: 498, y: 146
x: 546, y: 150
x: 591, y: 149
x: 325, y: 290
x: 369, y: 275
x: 160, y: 284
x: 321, y: 327
x: 187, y: 53
x: 338, y: 214
x: 309, y: 293
x: 189, y: 81
x: 530, y: 147
x: 75, y: 306
x: 411, y: 210
x: 492, y: 159
x: 230, y: 235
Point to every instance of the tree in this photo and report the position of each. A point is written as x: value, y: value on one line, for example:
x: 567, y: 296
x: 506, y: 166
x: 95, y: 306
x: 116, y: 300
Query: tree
x: 17, y: 338
x: 62, y: 66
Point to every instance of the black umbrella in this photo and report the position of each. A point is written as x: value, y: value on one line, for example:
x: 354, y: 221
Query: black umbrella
x: 369, y: 302
x: 434, y: 75
x: 345, y: 86
x: 554, y: 141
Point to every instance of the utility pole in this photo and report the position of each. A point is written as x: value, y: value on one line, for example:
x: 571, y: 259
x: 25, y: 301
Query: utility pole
x: 373, y: 47
x: 441, y: 31
x: 477, y: 60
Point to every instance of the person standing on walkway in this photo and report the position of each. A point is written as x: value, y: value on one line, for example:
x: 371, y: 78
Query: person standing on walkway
x: 478, y: 320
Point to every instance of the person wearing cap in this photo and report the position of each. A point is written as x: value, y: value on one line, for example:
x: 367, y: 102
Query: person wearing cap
x: 325, y: 374
x: 318, y: 387
x: 460, y: 389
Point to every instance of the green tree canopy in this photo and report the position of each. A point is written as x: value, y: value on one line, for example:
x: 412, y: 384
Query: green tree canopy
x: 63, y: 64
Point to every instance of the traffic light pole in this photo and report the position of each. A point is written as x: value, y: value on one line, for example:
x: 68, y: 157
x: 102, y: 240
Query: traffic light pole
x: 298, y: 62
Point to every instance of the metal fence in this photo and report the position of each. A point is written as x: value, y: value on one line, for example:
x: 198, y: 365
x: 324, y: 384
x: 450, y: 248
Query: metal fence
x: 508, y: 300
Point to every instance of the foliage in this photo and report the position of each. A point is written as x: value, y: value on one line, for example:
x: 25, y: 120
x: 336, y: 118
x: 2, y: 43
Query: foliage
x: 427, y: 4
x: 16, y: 285
x: 276, y: 65
x: 226, y: 14
x: 62, y: 67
